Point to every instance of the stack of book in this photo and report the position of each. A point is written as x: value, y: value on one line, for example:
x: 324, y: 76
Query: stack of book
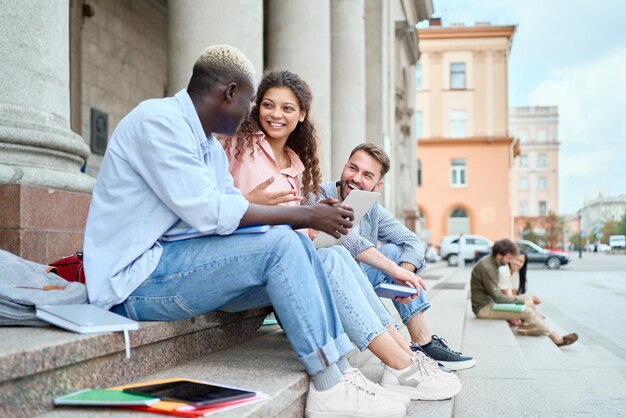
x: 177, y: 396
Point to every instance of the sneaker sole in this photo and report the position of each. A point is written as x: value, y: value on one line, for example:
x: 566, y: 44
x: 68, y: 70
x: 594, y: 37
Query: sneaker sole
x: 315, y: 414
x: 420, y: 395
x: 458, y: 365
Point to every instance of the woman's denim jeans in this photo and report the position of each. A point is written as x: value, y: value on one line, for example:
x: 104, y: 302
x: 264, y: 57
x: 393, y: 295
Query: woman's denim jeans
x: 237, y: 272
x: 362, y: 314
x: 375, y: 276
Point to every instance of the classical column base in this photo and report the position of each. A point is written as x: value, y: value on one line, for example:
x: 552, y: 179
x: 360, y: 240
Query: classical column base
x: 41, y: 224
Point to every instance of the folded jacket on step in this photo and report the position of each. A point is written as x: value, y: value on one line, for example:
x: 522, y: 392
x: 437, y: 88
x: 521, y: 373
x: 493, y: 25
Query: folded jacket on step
x: 25, y: 285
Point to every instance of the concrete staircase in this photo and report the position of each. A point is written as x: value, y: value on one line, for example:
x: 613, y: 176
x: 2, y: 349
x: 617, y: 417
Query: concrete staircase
x: 530, y: 376
x: 514, y: 376
x: 39, y: 364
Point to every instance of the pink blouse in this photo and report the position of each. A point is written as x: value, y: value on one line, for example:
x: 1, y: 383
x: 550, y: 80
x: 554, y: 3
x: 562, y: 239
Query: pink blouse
x: 261, y: 165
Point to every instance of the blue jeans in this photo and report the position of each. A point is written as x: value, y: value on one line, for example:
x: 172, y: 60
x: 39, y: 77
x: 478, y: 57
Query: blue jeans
x: 375, y: 276
x: 362, y: 314
x: 239, y: 272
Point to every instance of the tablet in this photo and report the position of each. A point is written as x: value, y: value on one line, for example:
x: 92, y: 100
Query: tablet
x: 392, y: 291
x: 192, y: 393
x: 359, y: 200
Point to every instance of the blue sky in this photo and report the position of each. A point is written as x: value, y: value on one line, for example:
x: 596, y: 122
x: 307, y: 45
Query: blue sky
x: 570, y: 54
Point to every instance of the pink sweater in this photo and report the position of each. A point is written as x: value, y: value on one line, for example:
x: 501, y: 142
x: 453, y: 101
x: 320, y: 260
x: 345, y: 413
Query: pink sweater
x: 255, y: 169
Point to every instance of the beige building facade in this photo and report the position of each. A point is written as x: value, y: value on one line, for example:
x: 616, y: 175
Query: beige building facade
x: 69, y: 79
x: 535, y: 180
x: 465, y: 152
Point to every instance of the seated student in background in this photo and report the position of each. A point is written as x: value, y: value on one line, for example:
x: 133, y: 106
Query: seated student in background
x: 164, y: 169
x: 512, y: 282
x: 274, y: 156
x: 485, y: 292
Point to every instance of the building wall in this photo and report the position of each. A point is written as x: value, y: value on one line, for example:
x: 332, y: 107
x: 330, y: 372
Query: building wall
x: 484, y: 143
x: 595, y: 212
x: 124, y: 61
x: 485, y: 199
x: 526, y: 124
x: 112, y: 54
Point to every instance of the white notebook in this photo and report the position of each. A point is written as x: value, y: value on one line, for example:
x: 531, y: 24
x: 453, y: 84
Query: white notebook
x: 359, y: 200
x: 85, y: 319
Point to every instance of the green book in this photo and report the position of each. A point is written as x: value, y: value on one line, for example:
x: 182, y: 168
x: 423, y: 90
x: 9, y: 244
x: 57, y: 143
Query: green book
x: 508, y: 307
x: 104, y: 397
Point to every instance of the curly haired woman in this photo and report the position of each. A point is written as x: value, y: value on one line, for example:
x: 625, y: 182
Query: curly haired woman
x: 273, y: 160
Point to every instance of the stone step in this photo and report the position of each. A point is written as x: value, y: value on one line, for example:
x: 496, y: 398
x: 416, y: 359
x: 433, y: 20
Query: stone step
x: 39, y: 364
x: 445, y: 318
x: 574, y: 378
x: 265, y: 363
x: 271, y: 366
x: 501, y: 382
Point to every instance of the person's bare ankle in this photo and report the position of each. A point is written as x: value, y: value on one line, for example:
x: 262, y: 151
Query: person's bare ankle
x: 556, y: 339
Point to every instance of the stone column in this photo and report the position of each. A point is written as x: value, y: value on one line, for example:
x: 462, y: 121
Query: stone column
x: 298, y: 40
x: 196, y: 24
x: 43, y: 195
x: 348, y: 79
x: 37, y: 146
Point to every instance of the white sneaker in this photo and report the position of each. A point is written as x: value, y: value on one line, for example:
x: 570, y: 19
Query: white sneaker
x: 355, y: 375
x: 433, y: 367
x: 347, y: 399
x: 421, y: 382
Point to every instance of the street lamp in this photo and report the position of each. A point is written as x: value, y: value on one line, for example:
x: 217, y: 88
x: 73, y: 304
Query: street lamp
x: 580, y: 236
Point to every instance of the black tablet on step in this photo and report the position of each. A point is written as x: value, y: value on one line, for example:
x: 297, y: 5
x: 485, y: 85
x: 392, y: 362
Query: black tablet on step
x: 192, y: 393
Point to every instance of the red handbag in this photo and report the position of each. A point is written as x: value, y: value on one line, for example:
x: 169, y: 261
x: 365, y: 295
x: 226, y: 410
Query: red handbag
x: 70, y: 268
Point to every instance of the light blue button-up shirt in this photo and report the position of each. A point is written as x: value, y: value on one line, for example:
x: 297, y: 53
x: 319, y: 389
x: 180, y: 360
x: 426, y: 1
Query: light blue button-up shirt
x: 160, y: 172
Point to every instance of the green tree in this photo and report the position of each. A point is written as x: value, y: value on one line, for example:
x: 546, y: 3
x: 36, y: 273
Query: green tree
x: 553, y: 226
x: 575, y: 241
x: 621, y: 226
x: 609, y: 228
x: 529, y: 234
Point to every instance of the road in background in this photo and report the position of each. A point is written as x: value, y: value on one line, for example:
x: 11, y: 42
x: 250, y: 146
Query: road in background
x: 587, y: 296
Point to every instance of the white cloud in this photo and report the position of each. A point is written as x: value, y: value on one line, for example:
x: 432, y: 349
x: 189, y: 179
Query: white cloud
x: 591, y: 99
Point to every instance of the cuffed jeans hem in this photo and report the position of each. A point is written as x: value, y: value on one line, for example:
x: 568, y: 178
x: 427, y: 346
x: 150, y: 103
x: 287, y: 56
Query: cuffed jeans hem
x: 390, y: 321
x: 327, y: 355
x: 419, y: 308
x: 363, y: 344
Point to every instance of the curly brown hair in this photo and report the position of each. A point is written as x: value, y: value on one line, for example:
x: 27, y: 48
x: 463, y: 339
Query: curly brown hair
x: 303, y: 140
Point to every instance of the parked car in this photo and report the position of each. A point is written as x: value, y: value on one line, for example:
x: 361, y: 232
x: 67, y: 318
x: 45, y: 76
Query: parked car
x: 449, y: 248
x: 553, y: 259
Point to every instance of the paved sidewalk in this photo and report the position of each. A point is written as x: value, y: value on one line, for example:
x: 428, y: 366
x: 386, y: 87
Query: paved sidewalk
x: 517, y: 376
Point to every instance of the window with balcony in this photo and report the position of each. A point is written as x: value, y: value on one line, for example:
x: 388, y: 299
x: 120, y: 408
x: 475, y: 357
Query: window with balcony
x: 457, y: 75
x: 542, y: 135
x: 458, y: 173
x: 523, y: 208
x: 523, y: 183
x: 542, y: 160
x: 458, y: 119
x: 523, y: 160
x: 523, y: 136
x: 543, y: 208
x: 542, y: 183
